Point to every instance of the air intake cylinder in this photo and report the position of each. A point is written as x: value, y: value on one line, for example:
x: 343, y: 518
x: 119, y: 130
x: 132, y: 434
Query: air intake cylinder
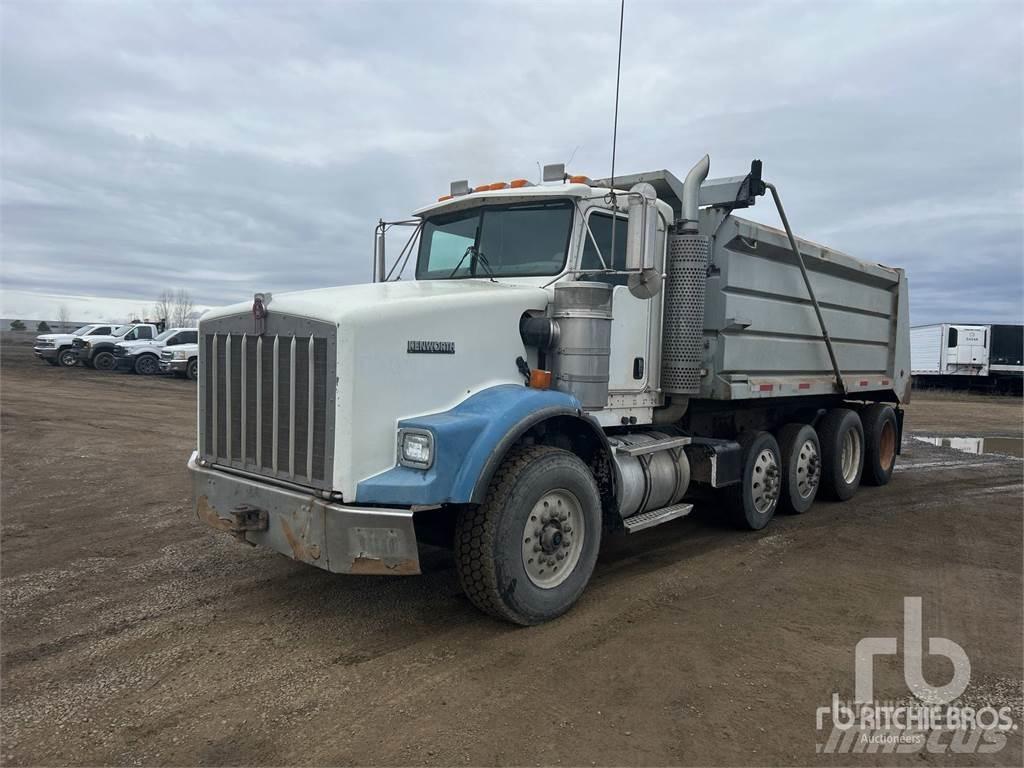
x: 579, y: 361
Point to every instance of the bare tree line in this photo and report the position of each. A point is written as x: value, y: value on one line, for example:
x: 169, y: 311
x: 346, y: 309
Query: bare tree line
x: 174, y: 307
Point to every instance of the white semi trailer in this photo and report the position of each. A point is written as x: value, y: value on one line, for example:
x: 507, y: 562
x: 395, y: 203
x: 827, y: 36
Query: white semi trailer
x: 987, y: 357
x: 573, y: 359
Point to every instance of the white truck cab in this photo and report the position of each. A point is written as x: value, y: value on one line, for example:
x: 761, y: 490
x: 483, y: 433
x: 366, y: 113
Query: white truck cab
x: 571, y: 360
x: 98, y: 351
x: 142, y: 356
x: 58, y: 348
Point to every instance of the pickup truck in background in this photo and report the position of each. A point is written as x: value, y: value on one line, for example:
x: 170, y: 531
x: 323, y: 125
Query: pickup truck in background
x: 181, y: 360
x: 98, y: 351
x: 142, y: 356
x: 58, y: 348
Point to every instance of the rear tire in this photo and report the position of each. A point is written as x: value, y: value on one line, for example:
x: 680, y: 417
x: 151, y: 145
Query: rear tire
x: 842, y: 453
x: 880, y: 435
x: 801, y: 467
x: 147, y: 365
x: 526, y: 554
x: 755, y: 498
x: 103, y: 361
x: 67, y: 358
x: 192, y: 370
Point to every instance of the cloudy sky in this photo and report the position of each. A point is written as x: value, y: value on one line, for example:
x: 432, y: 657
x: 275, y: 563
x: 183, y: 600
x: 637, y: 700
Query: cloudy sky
x: 240, y: 146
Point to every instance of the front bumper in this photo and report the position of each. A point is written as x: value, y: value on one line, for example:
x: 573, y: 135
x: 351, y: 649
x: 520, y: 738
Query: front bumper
x: 335, y: 537
x: 45, y: 353
x: 173, y: 366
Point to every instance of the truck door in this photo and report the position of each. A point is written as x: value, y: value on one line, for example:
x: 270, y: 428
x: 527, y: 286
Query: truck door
x: 628, y: 364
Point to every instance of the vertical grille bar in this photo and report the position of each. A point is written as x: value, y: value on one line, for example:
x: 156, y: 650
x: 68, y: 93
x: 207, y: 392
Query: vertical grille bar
x: 227, y: 396
x: 274, y: 417
x: 213, y: 405
x: 258, y: 458
x: 291, y: 409
x: 245, y: 345
x: 309, y: 414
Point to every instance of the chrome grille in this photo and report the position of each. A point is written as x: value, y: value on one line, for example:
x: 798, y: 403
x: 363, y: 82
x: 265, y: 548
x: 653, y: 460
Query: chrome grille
x: 266, y: 401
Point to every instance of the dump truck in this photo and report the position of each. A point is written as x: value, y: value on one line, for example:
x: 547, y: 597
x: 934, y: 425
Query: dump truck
x: 574, y: 359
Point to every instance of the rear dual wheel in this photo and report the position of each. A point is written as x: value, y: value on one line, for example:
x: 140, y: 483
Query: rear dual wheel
x: 755, y: 498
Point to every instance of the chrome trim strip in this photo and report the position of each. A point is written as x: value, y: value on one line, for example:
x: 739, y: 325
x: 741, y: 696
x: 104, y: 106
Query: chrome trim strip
x: 309, y: 415
x: 245, y: 413
x: 291, y: 410
x: 274, y: 413
x: 213, y: 406
x: 259, y: 402
x: 228, y: 426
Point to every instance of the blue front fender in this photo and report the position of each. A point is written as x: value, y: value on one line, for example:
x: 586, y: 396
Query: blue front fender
x: 466, y: 438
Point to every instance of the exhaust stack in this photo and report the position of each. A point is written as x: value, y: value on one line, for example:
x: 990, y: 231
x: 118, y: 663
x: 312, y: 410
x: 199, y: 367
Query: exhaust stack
x: 691, y: 194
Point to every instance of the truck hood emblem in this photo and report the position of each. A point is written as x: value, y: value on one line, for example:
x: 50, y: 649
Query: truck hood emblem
x: 260, y: 312
x: 430, y: 347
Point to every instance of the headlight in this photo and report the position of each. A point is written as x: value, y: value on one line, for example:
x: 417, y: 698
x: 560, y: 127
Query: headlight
x: 179, y: 354
x: 415, y: 448
x: 87, y: 344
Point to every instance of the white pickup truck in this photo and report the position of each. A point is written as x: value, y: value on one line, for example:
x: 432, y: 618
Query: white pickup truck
x: 58, y: 348
x: 98, y: 351
x: 181, y: 360
x: 142, y: 356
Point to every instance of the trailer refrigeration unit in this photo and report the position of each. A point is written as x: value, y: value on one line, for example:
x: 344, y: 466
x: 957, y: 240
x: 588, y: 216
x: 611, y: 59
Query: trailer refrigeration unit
x: 989, y: 357
x: 573, y: 359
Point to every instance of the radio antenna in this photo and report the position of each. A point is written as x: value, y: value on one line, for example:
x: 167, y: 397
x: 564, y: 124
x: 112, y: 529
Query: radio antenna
x: 615, y: 136
x: 618, y: 76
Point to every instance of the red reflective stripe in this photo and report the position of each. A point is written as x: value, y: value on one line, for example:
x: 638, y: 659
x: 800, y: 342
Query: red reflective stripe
x: 804, y: 385
x: 766, y: 387
x: 864, y: 382
x: 885, y: 382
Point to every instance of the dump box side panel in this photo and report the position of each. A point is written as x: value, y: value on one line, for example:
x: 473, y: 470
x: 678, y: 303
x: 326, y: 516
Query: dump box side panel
x: 761, y: 334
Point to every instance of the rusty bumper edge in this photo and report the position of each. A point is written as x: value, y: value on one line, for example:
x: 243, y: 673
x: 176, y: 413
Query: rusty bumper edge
x: 335, y: 537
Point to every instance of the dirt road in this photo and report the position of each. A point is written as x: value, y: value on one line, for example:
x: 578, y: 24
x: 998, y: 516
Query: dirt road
x: 134, y: 635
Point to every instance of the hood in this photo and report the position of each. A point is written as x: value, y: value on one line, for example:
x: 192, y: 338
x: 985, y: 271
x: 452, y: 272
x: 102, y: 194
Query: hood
x: 405, y: 297
x: 140, y: 343
x: 52, y: 336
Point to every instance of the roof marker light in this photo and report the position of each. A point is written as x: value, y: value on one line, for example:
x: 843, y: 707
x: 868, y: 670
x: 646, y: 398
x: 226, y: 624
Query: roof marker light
x: 517, y: 183
x: 579, y: 180
x: 442, y: 198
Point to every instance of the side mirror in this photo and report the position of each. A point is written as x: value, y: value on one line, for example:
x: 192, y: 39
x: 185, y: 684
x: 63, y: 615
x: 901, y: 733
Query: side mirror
x: 642, y: 223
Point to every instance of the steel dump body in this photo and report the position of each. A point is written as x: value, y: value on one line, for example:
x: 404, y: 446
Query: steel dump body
x: 762, y: 338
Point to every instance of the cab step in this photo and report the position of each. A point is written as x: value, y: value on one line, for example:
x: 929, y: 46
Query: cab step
x: 656, y: 517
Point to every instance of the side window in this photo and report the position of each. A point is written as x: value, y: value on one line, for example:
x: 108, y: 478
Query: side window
x: 188, y: 337
x: 103, y: 330
x: 601, y: 227
x: 144, y: 332
x: 174, y: 340
x: 952, y: 338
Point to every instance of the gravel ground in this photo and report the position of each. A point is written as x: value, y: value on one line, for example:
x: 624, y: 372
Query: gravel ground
x: 132, y: 634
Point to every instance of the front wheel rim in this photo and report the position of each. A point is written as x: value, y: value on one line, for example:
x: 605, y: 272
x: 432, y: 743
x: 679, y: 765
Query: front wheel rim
x: 553, y: 538
x: 103, y: 362
x: 765, y: 481
x: 68, y: 359
x: 808, y: 469
x: 146, y: 367
x: 850, y: 456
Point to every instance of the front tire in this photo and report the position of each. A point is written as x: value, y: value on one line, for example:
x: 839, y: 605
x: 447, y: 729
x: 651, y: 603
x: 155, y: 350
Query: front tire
x: 526, y: 554
x: 842, y: 453
x: 147, y: 365
x: 103, y: 361
x: 68, y: 358
x: 801, y: 467
x: 755, y: 498
x: 880, y: 436
x: 192, y: 370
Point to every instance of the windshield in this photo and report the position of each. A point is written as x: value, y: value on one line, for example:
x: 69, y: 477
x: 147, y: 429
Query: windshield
x: 166, y: 334
x: 81, y: 331
x: 122, y: 331
x: 518, y: 240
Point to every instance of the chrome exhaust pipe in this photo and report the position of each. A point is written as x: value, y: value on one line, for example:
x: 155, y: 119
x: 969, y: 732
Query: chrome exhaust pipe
x: 691, y: 194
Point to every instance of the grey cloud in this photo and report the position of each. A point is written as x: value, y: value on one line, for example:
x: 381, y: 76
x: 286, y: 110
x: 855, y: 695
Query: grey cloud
x: 229, y: 147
